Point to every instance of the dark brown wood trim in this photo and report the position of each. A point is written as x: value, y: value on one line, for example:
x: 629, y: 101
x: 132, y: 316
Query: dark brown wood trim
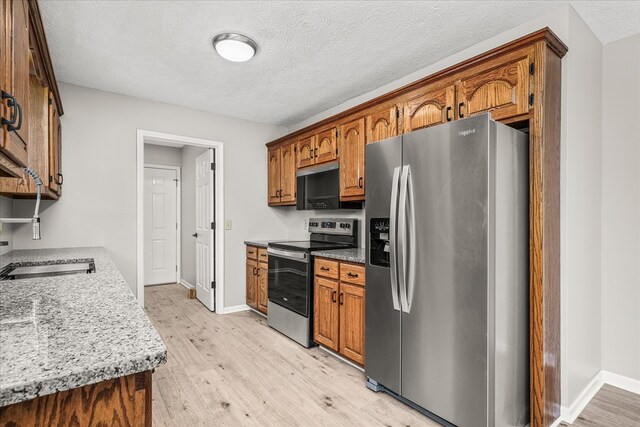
x: 544, y: 34
x: 35, y: 19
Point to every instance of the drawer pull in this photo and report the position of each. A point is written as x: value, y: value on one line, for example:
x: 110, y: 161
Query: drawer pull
x: 324, y: 268
x: 350, y: 274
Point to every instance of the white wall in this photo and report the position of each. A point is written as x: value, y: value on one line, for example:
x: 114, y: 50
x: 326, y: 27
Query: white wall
x: 161, y: 155
x: 581, y: 209
x: 621, y: 208
x: 6, y: 234
x: 98, y: 206
x: 188, y: 207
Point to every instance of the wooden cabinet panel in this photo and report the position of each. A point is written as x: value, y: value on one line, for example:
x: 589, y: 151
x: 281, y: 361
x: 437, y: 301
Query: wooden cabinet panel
x: 325, y: 312
x: 288, y: 173
x: 263, y: 256
x: 352, y: 322
x: 433, y: 107
x: 501, y: 86
x: 352, y: 160
x: 251, y: 277
x: 55, y: 148
x: 326, y: 268
x: 305, y: 149
x: 382, y: 124
x: 352, y: 273
x: 326, y: 146
x: 273, y: 175
x: 262, y: 289
x: 15, y: 79
x: 252, y: 253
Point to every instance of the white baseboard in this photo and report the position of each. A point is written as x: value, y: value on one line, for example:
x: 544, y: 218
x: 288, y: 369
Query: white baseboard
x: 186, y: 284
x: 235, y: 309
x: 620, y: 381
x: 569, y: 415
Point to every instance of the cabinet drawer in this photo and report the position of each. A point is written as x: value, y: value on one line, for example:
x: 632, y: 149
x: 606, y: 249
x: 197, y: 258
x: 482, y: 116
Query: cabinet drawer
x: 352, y: 273
x: 262, y: 255
x: 326, y: 268
x: 252, y: 252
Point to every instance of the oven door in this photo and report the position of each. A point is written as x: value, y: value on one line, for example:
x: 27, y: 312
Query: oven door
x: 290, y: 280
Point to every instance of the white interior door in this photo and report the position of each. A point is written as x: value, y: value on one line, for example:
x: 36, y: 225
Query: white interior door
x: 160, y: 226
x: 205, y: 252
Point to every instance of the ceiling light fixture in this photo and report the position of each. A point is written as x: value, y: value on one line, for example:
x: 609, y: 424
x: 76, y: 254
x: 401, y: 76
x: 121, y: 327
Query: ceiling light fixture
x: 234, y: 47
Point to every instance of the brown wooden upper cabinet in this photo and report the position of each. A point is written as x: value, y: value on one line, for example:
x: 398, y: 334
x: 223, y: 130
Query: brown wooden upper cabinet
x: 14, y: 27
x: 281, y: 176
x: 305, y: 148
x: 382, y: 124
x: 318, y: 148
x: 351, y: 149
x: 429, y: 107
x: 501, y: 86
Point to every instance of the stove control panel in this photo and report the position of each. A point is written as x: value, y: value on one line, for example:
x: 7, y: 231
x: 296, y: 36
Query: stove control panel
x: 342, y: 226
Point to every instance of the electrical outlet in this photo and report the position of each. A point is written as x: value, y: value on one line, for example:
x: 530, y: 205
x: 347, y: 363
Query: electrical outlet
x: 227, y: 224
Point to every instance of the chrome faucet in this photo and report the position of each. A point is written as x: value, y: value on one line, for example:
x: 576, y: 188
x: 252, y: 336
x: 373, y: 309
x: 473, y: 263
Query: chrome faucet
x: 35, y: 221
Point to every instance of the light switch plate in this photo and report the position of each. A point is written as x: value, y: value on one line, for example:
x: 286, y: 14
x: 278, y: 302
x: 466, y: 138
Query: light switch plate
x: 227, y: 224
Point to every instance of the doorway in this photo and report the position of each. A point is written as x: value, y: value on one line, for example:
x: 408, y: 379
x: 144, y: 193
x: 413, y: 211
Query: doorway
x: 195, y: 168
x: 161, y: 224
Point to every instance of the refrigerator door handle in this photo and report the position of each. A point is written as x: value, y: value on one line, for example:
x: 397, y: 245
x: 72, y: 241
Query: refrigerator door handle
x: 393, y: 213
x: 412, y: 254
x: 402, y: 239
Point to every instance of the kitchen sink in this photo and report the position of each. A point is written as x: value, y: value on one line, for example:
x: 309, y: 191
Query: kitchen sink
x: 29, y: 270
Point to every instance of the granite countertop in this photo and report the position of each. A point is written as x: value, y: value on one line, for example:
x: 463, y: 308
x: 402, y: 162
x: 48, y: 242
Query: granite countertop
x: 259, y: 243
x: 356, y: 255
x: 62, y: 332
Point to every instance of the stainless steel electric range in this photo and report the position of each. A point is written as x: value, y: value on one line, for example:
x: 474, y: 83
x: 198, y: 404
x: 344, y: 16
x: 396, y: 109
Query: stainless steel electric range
x: 290, y: 280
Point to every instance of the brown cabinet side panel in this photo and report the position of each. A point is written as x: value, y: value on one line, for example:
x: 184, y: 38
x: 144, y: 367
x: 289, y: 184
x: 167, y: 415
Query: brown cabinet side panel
x: 124, y: 401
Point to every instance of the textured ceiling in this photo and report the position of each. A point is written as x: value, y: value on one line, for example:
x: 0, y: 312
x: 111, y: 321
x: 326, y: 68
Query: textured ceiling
x: 312, y: 55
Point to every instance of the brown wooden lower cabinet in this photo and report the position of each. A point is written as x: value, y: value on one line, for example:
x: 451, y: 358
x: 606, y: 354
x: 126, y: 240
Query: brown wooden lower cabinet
x: 338, y: 308
x: 124, y: 401
x: 257, y: 269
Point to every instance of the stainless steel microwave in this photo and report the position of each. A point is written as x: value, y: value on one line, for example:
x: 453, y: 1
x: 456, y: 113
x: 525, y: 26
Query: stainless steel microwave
x: 318, y: 187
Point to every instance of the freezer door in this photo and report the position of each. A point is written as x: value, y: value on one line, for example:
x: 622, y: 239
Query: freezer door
x: 382, y: 320
x: 444, y: 300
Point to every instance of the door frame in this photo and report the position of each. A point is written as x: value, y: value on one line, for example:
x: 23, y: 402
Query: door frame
x: 171, y: 140
x: 178, y: 170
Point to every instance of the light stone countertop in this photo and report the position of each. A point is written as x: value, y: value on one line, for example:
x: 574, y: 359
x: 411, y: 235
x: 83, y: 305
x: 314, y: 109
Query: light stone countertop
x: 260, y: 243
x: 63, y: 332
x: 357, y: 255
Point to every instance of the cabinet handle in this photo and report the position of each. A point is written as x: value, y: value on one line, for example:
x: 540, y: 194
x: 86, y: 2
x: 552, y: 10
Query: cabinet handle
x: 324, y: 269
x: 17, y: 113
x: 341, y: 299
x: 311, y: 153
x: 59, y: 175
x: 255, y: 273
x: 352, y: 275
x: 333, y: 296
x: 258, y: 272
x: 196, y: 236
x: 460, y: 110
x: 315, y: 152
x: 360, y: 184
x: 449, y: 113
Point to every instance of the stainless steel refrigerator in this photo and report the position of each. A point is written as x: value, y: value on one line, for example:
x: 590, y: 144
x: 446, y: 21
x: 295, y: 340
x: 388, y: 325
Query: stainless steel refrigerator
x: 448, y: 271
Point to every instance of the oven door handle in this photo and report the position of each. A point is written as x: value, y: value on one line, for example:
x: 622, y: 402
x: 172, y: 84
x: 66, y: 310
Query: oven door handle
x: 293, y: 255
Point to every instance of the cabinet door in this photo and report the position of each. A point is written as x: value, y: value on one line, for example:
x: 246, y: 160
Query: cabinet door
x: 288, y: 173
x: 305, y: 149
x: 429, y: 109
x: 262, y: 287
x: 252, y: 274
x: 325, y: 312
x: 273, y: 175
x: 352, y: 160
x: 352, y: 322
x: 326, y: 146
x: 501, y: 86
x: 382, y: 124
x: 55, y: 148
x: 16, y: 79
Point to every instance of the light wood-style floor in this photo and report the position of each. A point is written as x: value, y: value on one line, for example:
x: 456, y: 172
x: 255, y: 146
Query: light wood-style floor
x: 611, y: 406
x: 234, y: 370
